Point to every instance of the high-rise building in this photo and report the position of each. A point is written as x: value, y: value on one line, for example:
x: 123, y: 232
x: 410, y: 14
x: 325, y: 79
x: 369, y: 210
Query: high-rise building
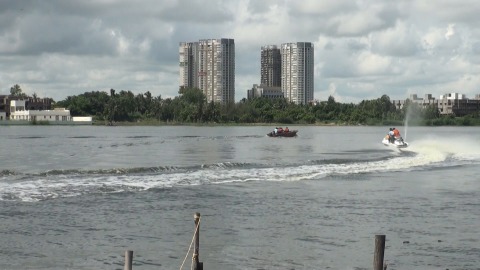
x: 209, y: 65
x: 297, y: 72
x: 271, y: 66
x: 187, y: 64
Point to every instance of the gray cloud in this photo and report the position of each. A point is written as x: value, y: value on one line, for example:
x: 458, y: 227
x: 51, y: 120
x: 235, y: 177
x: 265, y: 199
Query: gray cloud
x: 198, y: 12
x: 363, y: 49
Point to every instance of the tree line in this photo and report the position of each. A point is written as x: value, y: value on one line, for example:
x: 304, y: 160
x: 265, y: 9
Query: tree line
x: 191, y: 106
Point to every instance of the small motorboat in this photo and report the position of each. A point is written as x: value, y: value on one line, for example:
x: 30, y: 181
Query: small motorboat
x: 398, y: 142
x: 290, y: 133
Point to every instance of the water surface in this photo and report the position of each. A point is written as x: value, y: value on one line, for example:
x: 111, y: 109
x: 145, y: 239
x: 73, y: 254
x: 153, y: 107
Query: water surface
x: 78, y: 197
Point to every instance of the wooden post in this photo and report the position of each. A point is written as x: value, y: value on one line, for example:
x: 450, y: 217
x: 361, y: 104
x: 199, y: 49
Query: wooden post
x: 379, y: 252
x: 128, y: 260
x: 197, y: 265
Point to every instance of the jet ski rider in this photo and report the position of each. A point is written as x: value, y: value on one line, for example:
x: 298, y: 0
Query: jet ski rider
x: 396, y: 133
x: 391, y: 135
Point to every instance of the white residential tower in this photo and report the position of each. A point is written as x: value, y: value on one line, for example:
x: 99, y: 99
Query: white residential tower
x: 297, y: 72
x: 209, y: 65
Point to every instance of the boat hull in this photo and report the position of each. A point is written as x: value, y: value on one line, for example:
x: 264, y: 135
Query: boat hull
x: 291, y: 133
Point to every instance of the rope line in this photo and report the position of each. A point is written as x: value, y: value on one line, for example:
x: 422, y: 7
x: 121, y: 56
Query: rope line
x: 191, y: 243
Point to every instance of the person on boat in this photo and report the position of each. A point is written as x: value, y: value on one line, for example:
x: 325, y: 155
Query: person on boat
x: 280, y: 130
x: 286, y: 130
x: 275, y: 130
x: 396, y: 133
x: 391, y: 135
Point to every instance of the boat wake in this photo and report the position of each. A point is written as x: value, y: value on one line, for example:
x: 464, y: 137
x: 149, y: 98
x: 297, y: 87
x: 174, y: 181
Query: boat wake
x: 421, y: 155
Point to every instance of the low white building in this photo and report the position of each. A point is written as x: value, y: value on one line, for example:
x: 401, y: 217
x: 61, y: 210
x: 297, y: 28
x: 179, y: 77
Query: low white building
x: 265, y: 91
x: 3, y: 116
x: 82, y: 119
x: 453, y: 96
x: 18, y: 113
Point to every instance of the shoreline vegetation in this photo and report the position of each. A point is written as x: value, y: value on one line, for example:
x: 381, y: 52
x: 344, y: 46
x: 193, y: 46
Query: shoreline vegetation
x: 191, y: 108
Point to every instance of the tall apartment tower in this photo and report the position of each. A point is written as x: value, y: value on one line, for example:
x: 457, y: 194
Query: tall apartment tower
x: 271, y: 66
x: 209, y: 65
x: 187, y: 66
x: 297, y: 72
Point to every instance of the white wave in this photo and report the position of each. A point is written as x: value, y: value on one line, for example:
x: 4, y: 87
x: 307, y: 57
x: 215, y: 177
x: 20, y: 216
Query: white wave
x: 427, y: 152
x: 461, y: 148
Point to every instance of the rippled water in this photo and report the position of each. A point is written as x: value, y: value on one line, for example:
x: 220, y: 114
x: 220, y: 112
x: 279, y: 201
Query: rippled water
x: 78, y: 197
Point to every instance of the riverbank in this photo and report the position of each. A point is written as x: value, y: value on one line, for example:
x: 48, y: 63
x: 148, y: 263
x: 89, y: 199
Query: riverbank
x: 44, y: 123
x: 159, y: 123
x: 460, y: 121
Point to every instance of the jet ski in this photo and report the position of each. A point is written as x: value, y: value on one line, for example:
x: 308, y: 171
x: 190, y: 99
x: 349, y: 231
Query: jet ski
x: 398, y: 142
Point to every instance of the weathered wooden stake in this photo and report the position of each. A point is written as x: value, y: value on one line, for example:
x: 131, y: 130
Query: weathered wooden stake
x: 197, y: 265
x: 379, y: 252
x: 128, y: 260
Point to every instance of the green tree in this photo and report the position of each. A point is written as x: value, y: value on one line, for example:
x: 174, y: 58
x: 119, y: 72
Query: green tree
x: 86, y: 104
x: 193, y: 102
x: 16, y: 91
x: 431, y: 112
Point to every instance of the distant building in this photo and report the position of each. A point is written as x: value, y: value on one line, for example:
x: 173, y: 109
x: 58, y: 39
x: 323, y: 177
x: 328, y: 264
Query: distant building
x: 297, y: 72
x: 31, y: 103
x: 427, y: 100
x: 209, y: 65
x: 264, y: 91
x: 18, y: 112
x: 271, y: 66
x: 4, y: 103
x: 3, y: 116
x: 448, y: 104
x: 457, y: 104
x: 187, y: 52
x: 82, y: 119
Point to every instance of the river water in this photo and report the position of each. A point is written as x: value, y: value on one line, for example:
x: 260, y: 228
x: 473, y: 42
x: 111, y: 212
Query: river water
x: 77, y: 197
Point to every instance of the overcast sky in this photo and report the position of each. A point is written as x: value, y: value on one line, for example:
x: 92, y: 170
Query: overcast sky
x: 363, y: 48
